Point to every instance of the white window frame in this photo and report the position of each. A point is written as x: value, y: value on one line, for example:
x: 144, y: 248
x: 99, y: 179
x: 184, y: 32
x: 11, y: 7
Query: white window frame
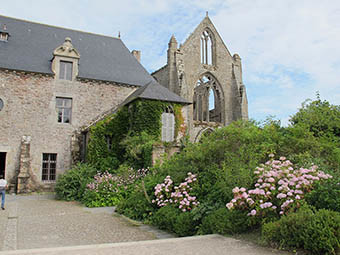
x: 61, y: 110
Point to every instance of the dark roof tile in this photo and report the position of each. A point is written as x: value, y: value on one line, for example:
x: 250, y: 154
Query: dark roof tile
x: 30, y: 48
x: 154, y: 91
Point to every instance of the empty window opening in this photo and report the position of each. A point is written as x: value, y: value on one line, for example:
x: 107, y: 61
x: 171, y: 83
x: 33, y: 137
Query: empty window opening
x: 83, y: 146
x: 2, y: 163
x: 49, y: 166
x: 65, y: 70
x: 211, y: 100
x: 208, y: 100
x: 64, y: 109
x: 109, y: 142
x: 1, y: 104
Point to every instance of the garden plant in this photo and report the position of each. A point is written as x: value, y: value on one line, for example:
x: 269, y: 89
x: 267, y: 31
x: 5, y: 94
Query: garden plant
x: 230, y: 182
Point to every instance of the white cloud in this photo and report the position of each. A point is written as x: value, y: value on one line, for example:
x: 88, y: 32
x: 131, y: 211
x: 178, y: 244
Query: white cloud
x: 289, y: 48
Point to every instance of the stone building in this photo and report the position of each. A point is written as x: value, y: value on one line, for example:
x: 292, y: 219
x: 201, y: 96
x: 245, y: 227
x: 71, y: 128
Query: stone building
x: 56, y: 81
x: 53, y: 81
x: 203, y: 71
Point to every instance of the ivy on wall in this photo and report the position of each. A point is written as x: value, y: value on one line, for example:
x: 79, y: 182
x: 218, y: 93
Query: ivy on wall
x: 131, y: 133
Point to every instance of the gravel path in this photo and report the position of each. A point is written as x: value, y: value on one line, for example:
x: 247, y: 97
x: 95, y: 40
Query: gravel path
x: 41, y: 225
x: 39, y: 221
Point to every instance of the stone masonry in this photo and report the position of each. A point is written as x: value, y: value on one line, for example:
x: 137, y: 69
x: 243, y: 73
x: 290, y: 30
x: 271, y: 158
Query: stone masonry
x: 186, y: 65
x: 30, y: 109
x: 52, y: 90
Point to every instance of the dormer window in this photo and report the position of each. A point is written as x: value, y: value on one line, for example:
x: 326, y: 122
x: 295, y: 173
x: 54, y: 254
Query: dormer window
x: 4, y: 34
x: 65, y: 61
x: 65, y: 70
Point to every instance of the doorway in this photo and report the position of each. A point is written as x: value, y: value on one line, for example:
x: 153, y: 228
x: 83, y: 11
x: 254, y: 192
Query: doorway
x: 2, y: 163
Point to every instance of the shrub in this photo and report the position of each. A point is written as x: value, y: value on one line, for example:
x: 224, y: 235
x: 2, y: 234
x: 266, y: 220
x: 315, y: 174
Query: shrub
x: 287, y: 231
x: 72, y: 184
x: 107, y: 189
x: 136, y: 205
x: 315, y: 130
x: 223, y: 160
x: 326, y: 195
x: 174, y: 220
x: 318, y: 232
x: 103, y: 191
x: 138, y: 149
x: 99, y: 199
x: 185, y: 224
x: 320, y: 117
x: 179, y: 196
x: 279, y: 188
x: 224, y: 221
x: 165, y: 218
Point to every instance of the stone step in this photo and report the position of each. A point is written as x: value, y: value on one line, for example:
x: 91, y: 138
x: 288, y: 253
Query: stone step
x: 207, y: 245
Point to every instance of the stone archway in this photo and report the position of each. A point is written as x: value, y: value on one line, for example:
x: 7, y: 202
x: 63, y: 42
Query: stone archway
x: 208, y: 100
x: 203, y: 133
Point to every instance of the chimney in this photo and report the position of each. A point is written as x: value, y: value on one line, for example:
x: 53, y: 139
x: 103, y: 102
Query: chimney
x: 136, y: 54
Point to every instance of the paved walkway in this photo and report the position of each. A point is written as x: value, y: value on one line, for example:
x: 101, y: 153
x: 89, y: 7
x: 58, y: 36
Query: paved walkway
x: 42, y: 225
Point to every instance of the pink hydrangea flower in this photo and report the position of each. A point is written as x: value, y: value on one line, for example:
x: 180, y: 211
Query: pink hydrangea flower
x: 230, y: 205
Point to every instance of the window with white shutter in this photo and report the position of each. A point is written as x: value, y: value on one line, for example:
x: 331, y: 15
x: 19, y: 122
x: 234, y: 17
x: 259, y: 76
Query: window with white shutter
x: 168, y: 126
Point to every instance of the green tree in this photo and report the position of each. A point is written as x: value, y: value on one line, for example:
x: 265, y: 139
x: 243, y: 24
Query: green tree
x: 320, y: 117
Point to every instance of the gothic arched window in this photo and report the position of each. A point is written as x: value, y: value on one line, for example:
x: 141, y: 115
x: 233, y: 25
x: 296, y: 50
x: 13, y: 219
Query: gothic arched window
x: 208, y: 100
x: 206, y: 48
x: 168, y: 125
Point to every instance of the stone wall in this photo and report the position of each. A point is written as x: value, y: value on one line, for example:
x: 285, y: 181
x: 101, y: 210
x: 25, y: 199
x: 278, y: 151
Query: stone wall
x: 161, y: 153
x: 185, y: 61
x: 30, y: 110
x: 162, y: 76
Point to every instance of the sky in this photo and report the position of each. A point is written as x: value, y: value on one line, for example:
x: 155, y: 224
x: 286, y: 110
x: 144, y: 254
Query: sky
x: 290, y: 49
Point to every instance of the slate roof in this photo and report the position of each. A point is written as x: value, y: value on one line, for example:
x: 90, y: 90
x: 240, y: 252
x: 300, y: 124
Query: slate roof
x: 154, y: 91
x: 30, y: 48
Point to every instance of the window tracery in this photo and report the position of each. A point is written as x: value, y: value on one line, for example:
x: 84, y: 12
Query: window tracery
x: 208, y: 100
x: 206, y: 48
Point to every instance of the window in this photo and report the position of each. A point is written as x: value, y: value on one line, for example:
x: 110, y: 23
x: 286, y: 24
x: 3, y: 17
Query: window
x: 208, y: 100
x: 109, y: 142
x: 3, y: 36
x: 3, y: 33
x: 49, y: 165
x: 64, y: 109
x: 206, y: 48
x: 65, y: 70
x: 168, y: 125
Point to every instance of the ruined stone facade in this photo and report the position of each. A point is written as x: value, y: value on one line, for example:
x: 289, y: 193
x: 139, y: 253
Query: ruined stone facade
x: 203, y: 71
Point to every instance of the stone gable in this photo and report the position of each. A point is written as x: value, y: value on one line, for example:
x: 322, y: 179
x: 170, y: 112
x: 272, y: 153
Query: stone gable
x: 187, y: 64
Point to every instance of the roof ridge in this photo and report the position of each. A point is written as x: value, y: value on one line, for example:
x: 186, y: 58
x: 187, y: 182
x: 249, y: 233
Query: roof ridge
x: 159, y: 69
x: 59, y: 27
